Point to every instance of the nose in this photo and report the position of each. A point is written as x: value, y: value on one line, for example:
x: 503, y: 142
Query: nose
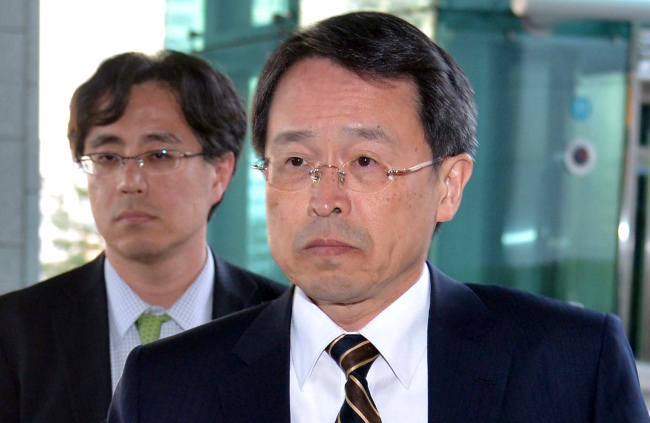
x: 328, y: 195
x: 131, y: 178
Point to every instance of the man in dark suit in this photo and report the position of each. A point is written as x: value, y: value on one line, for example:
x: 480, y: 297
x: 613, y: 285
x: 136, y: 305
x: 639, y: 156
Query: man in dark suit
x: 159, y: 138
x: 366, y: 129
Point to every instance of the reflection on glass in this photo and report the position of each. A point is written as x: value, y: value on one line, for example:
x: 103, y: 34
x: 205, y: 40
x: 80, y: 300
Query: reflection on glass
x: 264, y: 11
x: 418, y: 12
x: 526, y: 220
x: 184, y: 25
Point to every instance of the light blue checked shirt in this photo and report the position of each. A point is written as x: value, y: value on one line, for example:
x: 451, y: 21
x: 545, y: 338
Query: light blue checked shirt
x: 125, y: 306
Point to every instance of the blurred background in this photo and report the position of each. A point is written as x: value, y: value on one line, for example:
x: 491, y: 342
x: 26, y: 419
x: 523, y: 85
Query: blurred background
x: 559, y: 198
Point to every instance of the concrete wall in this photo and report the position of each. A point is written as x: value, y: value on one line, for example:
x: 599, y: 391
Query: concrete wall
x: 19, y: 159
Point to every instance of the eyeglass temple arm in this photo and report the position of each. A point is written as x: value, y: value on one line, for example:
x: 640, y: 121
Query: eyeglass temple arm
x: 414, y: 168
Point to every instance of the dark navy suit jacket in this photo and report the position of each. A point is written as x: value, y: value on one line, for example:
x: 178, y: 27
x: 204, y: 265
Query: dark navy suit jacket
x: 494, y: 355
x: 54, y: 341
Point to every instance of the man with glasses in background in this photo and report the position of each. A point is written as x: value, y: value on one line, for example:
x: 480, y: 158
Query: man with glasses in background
x: 159, y: 138
x: 366, y: 131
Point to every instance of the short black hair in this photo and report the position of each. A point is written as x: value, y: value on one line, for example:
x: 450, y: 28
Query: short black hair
x: 380, y: 46
x: 209, y: 102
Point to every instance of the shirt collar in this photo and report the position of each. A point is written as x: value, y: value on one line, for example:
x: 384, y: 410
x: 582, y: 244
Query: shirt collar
x: 399, y: 332
x: 311, y: 332
x: 193, y: 308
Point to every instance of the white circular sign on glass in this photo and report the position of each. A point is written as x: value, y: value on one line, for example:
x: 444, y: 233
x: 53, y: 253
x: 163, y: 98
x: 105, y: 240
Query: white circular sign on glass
x: 580, y: 157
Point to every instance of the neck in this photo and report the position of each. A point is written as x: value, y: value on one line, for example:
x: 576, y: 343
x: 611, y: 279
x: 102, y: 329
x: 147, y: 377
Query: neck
x: 351, y: 317
x: 355, y: 315
x: 160, y: 281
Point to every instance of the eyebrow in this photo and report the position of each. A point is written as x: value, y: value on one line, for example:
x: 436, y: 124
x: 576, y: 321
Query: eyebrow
x: 288, y: 137
x: 156, y: 136
x: 104, y: 139
x: 163, y: 136
x: 375, y: 134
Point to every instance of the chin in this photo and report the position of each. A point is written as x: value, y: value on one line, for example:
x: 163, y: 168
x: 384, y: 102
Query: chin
x: 332, y: 291
x: 140, y: 251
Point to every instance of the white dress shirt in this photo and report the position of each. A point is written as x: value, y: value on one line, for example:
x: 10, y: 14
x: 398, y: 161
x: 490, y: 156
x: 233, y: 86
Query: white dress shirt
x: 397, y: 379
x: 192, y: 309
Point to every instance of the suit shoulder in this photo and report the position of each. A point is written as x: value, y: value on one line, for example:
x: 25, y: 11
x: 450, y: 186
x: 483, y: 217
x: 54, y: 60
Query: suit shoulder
x: 580, y: 357
x: 535, y: 313
x: 268, y: 288
x: 52, y: 291
x: 211, y: 342
x: 245, y: 284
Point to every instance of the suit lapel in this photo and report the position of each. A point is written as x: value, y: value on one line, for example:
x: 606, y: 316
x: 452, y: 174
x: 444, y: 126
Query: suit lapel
x: 259, y: 390
x: 468, y: 360
x: 226, y: 293
x: 468, y: 355
x: 81, y: 332
x: 232, y: 290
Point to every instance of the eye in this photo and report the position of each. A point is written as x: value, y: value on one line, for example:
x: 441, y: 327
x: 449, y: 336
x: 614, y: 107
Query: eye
x: 364, y: 161
x: 105, y: 158
x: 295, y: 161
x: 159, y: 155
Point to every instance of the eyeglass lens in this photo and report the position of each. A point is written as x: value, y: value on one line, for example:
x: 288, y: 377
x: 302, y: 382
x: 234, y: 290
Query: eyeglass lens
x: 361, y: 174
x: 159, y: 161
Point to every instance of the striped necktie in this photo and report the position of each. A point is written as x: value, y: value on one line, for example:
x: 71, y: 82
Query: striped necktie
x: 354, y: 355
x: 149, y: 326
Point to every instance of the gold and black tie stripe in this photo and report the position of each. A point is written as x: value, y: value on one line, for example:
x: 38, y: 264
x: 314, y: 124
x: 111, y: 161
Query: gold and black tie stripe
x: 355, y: 354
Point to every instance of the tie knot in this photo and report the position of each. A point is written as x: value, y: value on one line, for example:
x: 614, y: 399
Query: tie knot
x: 353, y: 353
x: 149, y: 326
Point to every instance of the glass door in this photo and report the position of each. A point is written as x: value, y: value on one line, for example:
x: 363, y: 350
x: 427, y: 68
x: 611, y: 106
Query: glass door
x: 541, y: 211
x: 634, y: 223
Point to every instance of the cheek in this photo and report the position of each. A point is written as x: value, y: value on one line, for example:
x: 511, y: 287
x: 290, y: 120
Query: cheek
x: 284, y: 206
x: 418, y: 212
x: 187, y: 196
x: 382, y: 211
x: 274, y: 217
x: 284, y: 213
x: 98, y: 198
x: 272, y: 210
x: 403, y: 217
x: 272, y: 202
x: 100, y: 206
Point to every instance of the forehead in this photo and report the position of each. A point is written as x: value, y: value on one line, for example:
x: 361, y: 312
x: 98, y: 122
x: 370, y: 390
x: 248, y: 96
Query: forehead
x: 152, y: 114
x: 320, y: 100
x: 150, y: 96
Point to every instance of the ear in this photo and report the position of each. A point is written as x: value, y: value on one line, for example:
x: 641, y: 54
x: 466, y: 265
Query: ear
x: 223, y: 168
x: 454, y: 174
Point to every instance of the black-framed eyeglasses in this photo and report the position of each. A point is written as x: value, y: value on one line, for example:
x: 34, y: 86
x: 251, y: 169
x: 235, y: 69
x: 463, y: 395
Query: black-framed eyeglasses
x: 362, y: 174
x: 156, y: 161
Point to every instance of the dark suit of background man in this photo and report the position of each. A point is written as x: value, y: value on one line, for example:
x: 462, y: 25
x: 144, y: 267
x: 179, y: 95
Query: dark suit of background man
x: 158, y: 137
x: 366, y: 129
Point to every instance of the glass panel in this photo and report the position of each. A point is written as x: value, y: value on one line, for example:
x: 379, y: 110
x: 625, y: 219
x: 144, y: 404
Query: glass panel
x: 475, y: 5
x: 238, y: 46
x: 258, y: 256
x: 418, y: 12
x: 265, y: 11
x: 531, y: 218
x: 645, y: 125
x: 636, y: 334
x: 639, y: 334
x: 184, y: 25
x: 237, y: 230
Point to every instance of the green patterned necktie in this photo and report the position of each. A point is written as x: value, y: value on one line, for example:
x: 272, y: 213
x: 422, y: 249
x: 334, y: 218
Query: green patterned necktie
x: 149, y: 326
